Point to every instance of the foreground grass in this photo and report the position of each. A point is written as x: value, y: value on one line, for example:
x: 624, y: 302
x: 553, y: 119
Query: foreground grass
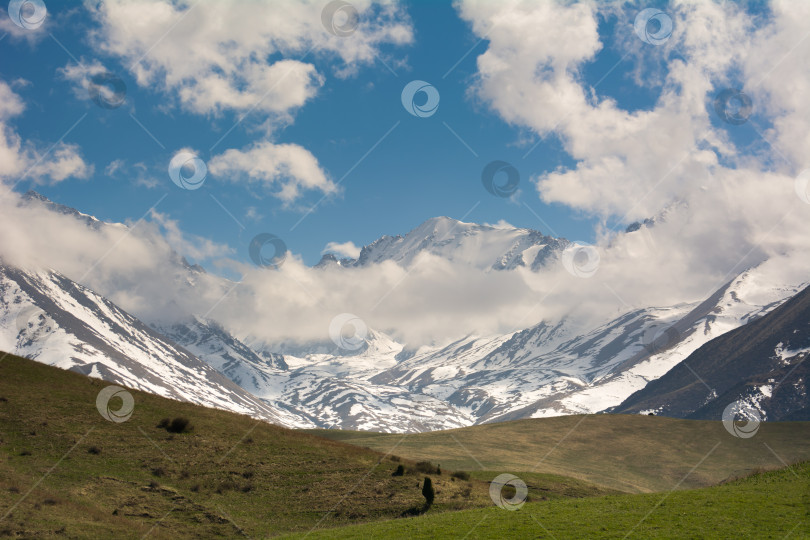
x: 773, y: 504
x: 630, y: 453
x: 66, y: 471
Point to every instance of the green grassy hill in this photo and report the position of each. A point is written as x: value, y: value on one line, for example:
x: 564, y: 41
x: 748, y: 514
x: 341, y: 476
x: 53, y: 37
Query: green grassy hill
x: 631, y: 453
x: 66, y: 471
x: 768, y: 505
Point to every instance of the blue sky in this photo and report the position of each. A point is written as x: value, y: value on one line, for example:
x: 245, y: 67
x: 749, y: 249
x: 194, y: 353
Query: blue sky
x: 419, y: 171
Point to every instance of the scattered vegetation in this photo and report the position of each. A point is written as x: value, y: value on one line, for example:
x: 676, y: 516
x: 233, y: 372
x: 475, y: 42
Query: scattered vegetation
x: 768, y: 505
x: 208, y: 482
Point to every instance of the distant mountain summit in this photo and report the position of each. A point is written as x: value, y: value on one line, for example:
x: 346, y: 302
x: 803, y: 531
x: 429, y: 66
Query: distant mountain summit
x: 480, y: 246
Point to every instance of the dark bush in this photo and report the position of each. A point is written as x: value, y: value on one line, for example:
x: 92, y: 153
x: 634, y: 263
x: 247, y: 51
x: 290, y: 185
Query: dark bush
x: 426, y: 467
x: 399, y: 472
x: 461, y: 475
x: 227, y: 485
x: 95, y: 450
x: 163, y: 424
x: 180, y: 425
x: 428, y: 493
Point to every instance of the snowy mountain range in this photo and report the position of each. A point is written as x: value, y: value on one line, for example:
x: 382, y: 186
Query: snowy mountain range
x: 550, y: 368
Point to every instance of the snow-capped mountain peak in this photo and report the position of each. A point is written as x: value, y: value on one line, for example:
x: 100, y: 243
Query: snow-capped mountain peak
x: 479, y: 246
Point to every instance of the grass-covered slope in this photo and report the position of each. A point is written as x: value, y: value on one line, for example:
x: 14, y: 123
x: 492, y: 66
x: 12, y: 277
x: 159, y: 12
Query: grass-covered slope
x: 66, y: 471
x: 772, y: 504
x: 631, y: 453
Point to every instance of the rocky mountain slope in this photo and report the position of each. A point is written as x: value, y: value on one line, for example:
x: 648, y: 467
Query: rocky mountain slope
x: 761, y: 363
x: 51, y: 319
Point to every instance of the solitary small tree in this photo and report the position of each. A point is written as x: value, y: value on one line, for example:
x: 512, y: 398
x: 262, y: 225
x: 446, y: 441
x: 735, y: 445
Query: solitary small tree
x: 428, y: 493
x: 400, y: 471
